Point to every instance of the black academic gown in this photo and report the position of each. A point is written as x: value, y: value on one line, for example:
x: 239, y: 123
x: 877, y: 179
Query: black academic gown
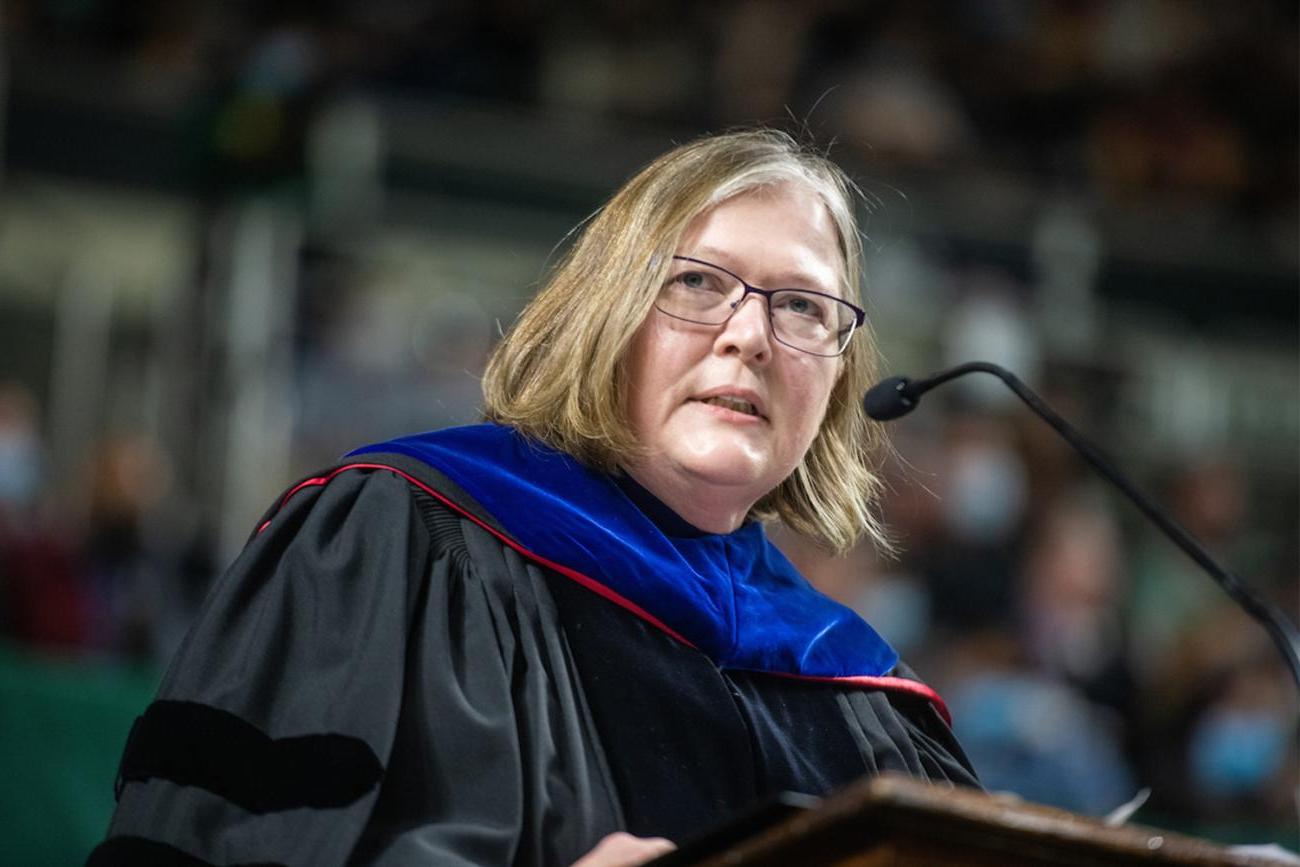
x: 380, y: 679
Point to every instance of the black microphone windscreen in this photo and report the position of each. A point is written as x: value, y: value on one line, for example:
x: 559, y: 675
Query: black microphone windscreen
x: 885, y: 400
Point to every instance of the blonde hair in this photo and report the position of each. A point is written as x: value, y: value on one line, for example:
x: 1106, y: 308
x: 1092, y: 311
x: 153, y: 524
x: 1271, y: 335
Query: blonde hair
x: 559, y: 376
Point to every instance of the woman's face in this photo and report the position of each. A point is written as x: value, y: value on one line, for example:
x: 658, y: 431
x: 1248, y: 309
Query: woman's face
x: 682, y: 373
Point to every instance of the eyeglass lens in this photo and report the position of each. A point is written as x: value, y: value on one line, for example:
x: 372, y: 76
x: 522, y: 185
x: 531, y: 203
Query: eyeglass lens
x: 807, y: 320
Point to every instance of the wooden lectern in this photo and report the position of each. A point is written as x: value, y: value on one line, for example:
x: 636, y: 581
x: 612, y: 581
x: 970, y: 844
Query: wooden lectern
x: 894, y: 821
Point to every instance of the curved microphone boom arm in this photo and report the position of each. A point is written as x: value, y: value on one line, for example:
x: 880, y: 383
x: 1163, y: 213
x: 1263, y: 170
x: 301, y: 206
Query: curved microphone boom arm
x: 899, y: 395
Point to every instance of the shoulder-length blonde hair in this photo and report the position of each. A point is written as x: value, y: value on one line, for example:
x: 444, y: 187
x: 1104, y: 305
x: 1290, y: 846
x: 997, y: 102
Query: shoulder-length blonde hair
x: 560, y: 374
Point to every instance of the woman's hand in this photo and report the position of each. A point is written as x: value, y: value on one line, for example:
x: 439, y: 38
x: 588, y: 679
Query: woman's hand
x: 621, y: 849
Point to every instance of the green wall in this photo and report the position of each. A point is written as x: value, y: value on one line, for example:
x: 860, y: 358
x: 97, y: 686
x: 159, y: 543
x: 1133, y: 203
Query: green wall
x: 63, y: 723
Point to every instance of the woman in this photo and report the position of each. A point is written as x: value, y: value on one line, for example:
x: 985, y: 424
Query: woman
x: 500, y: 644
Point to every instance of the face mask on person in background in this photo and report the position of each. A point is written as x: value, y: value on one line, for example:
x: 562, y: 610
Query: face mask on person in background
x: 987, y: 497
x: 1235, y: 752
x: 20, y: 469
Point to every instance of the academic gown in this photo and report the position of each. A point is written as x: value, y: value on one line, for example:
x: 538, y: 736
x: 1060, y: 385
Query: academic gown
x: 387, y: 675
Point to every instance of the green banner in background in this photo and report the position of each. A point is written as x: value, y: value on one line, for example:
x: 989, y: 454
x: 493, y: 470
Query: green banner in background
x: 63, y: 723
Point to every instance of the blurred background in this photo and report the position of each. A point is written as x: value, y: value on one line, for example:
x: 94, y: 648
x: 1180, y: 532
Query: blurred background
x: 239, y: 239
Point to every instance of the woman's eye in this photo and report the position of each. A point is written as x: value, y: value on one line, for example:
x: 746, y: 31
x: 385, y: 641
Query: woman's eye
x: 804, y: 306
x: 698, y: 281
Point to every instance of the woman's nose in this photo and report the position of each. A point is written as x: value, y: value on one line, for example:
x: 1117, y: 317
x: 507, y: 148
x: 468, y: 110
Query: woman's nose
x: 749, y: 330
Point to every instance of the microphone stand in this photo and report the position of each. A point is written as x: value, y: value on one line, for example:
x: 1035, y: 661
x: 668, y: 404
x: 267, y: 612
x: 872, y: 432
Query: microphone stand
x: 898, y: 395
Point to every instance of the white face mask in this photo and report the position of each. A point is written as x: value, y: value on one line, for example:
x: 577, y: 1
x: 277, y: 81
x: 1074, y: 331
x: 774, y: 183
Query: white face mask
x: 987, y: 496
x: 20, y: 467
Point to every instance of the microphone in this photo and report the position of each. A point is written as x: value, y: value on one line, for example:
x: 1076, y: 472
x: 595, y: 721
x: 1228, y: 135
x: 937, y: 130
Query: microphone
x: 898, y: 395
x: 890, y: 398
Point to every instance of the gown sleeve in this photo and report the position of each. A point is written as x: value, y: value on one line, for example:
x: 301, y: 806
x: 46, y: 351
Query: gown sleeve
x: 349, y: 694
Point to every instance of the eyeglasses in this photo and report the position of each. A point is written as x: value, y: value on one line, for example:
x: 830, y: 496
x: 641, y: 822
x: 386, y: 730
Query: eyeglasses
x: 707, y: 294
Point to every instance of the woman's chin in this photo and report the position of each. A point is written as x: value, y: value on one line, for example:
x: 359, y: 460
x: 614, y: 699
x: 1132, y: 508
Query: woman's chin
x: 723, y: 461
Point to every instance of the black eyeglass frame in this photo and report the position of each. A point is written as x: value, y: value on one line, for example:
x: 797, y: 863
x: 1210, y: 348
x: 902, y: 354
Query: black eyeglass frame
x: 859, y: 315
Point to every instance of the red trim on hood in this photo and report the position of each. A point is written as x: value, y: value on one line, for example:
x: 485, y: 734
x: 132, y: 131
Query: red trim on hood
x: 589, y: 583
x: 894, y: 684
x: 885, y: 682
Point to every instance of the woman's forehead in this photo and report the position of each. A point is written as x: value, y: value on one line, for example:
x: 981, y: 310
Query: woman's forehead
x: 782, y: 234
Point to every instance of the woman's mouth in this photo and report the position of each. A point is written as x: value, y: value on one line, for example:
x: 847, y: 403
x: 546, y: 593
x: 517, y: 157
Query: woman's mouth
x: 732, y: 403
x: 732, y: 408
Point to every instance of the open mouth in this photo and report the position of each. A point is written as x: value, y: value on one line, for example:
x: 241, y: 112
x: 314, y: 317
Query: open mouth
x: 732, y: 403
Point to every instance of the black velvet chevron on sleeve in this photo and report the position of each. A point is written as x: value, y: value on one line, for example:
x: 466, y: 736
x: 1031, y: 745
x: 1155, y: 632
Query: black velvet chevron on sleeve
x: 195, y: 744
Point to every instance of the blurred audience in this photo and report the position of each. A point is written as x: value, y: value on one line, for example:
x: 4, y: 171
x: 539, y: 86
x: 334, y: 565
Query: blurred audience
x: 1137, y: 98
x: 44, y: 597
x: 1083, y: 658
x: 126, y: 583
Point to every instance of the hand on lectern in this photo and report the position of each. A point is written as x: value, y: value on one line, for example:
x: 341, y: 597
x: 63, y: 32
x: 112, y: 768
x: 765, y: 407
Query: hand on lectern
x: 621, y: 849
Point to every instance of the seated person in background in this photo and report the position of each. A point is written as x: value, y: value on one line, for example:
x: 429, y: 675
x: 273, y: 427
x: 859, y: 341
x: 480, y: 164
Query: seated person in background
x: 501, y: 644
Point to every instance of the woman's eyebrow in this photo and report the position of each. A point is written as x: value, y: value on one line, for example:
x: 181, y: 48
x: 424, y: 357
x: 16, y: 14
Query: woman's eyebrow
x: 713, y: 255
x: 792, y: 279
